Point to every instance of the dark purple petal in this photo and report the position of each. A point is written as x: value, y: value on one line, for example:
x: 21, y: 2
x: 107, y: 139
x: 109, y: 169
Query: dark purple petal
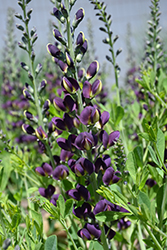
x: 47, y: 168
x: 113, y: 137
x: 65, y: 155
x: 69, y: 102
x: 68, y: 121
x: 87, y: 89
x: 93, y: 230
x: 53, y: 50
x: 84, y: 234
x: 80, y: 14
x: 84, y: 193
x: 104, y: 118
x: 110, y: 233
x: 54, y: 199
x: 104, y: 138
x: 84, y: 47
x: 70, y: 84
x: 150, y: 182
x: 60, y: 172
x: 48, y: 192
x: 92, y: 70
x: 96, y: 87
x: 28, y: 129
x: 74, y: 193
x: 59, y: 123
x: 40, y: 171
x: 108, y: 176
x: 80, y: 39
x: 59, y: 104
x: 103, y: 205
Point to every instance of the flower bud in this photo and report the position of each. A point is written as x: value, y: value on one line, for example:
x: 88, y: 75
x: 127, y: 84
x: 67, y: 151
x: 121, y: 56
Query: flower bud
x: 28, y: 129
x: 24, y: 66
x: 40, y: 133
x: 96, y: 87
x: 70, y: 84
x: 22, y: 45
x: 78, y: 17
x: 46, y: 106
x: 58, y: 36
x: 38, y: 68
x: 30, y: 116
x: 57, y: 13
x: 69, y: 60
x: 53, y: 50
x: 28, y: 95
x: 92, y: 70
x: 42, y: 86
x: 80, y: 39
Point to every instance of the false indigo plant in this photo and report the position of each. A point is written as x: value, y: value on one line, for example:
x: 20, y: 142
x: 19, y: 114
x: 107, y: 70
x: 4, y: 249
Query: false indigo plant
x: 106, y: 189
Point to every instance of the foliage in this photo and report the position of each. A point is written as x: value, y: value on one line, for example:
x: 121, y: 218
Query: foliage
x: 79, y: 170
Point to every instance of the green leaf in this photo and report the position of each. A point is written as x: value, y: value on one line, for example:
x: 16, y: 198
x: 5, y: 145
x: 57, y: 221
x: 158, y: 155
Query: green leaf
x: 131, y: 166
x: 38, y: 218
x: 153, y: 156
x: 51, y: 243
x: 138, y: 152
x: 110, y: 216
x: 143, y: 198
x: 61, y: 205
x: 144, y: 177
x: 159, y: 200
x: 160, y: 143
x: 119, y: 113
x: 145, y: 136
x: 5, y: 171
x: 68, y: 207
x: 16, y: 220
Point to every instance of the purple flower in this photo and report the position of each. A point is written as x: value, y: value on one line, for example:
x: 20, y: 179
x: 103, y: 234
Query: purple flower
x: 150, y: 182
x: 110, y: 233
x: 123, y: 224
x: 79, y: 193
x: 40, y: 133
x: 60, y: 172
x: 70, y: 84
x: 103, y: 205
x: 63, y: 124
x: 28, y: 129
x: 83, y: 211
x: 93, y: 229
x: 82, y: 166
x: 89, y: 115
x: 68, y: 144
x: 92, y: 70
x: 54, y: 199
x: 102, y: 163
x: 78, y: 17
x: 85, y: 140
x: 109, y: 140
x: 47, y: 192
x: 109, y: 176
x: 44, y: 170
x: 84, y: 234
x: 53, y: 50
x: 66, y: 105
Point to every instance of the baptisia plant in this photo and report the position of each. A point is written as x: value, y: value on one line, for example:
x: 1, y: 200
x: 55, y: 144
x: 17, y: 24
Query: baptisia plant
x: 72, y: 131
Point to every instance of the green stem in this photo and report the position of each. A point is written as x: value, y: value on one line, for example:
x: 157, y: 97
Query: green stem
x: 140, y: 237
x: 103, y: 238
x: 68, y: 233
x: 3, y: 224
x: 158, y: 247
x: 163, y: 206
x: 29, y: 203
x: 159, y: 157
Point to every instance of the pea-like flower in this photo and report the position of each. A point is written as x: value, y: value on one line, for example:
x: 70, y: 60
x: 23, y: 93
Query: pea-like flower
x: 60, y: 172
x: 109, y: 176
x: 78, y: 17
x: 63, y: 124
x: 79, y: 193
x: 53, y: 50
x: 91, y: 90
x: 89, y: 115
x: 85, y: 141
x: 44, y: 170
x: 103, y: 205
x: 70, y: 84
x: 92, y: 70
x: 92, y: 231
x: 83, y: 211
x: 102, y: 163
x: 54, y: 199
x: 47, y: 192
x: 109, y: 140
x: 66, y: 104
x: 123, y: 224
x: 82, y: 166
